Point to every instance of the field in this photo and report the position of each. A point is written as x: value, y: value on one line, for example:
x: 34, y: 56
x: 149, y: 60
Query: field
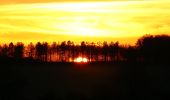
x: 93, y: 81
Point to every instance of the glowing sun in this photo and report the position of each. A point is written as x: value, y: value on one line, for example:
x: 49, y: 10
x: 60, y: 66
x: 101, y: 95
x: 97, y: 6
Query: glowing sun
x: 81, y: 60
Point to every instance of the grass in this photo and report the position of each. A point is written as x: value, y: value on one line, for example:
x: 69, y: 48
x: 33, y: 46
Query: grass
x: 94, y: 81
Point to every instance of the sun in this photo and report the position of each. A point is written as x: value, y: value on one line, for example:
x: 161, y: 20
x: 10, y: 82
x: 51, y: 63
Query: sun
x: 81, y: 60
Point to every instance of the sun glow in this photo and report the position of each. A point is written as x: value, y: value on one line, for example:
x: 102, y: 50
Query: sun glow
x: 81, y: 60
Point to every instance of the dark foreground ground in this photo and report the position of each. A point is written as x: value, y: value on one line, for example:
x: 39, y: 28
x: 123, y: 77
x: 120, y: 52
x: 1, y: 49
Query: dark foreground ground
x: 95, y: 81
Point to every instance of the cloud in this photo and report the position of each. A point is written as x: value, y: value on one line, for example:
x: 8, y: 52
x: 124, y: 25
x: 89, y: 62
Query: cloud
x: 106, y: 20
x: 46, y: 1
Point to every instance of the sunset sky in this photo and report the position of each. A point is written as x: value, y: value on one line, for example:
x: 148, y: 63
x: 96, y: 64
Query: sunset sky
x: 82, y: 20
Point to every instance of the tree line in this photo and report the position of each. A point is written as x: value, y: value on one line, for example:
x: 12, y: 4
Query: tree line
x: 149, y: 48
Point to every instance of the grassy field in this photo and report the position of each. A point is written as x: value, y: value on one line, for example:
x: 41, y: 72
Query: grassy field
x: 94, y: 81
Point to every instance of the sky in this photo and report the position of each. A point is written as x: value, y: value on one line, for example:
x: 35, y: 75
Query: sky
x: 82, y: 20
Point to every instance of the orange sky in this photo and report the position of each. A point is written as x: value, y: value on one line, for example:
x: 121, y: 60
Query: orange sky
x: 53, y: 20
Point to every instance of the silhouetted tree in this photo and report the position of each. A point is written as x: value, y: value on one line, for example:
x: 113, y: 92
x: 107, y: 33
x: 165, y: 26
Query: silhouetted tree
x: 42, y: 51
x: 39, y: 51
x: 11, y: 50
x: 130, y: 53
x: 145, y: 46
x: 4, y: 51
x: 63, y: 51
x: 114, y: 51
x: 83, y: 48
x: 31, y: 50
x: 19, y: 50
x: 69, y: 50
x: 73, y: 51
x: 148, y: 48
x: 154, y: 48
x: 45, y: 51
x: 105, y: 50
x: 93, y: 52
x: 54, y: 51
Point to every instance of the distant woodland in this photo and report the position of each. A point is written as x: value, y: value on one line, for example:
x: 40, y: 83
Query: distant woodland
x: 149, y: 48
